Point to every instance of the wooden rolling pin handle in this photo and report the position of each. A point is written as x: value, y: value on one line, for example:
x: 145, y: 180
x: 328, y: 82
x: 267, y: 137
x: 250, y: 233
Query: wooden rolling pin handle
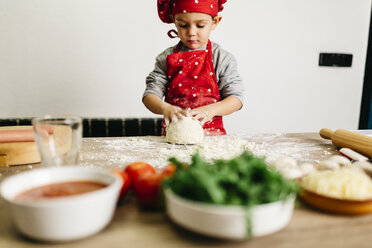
x: 326, y: 133
x: 341, y: 138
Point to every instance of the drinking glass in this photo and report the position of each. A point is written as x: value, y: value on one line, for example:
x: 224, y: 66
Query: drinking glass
x: 58, y: 139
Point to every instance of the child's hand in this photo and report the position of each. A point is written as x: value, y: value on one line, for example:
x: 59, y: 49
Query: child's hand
x: 173, y: 113
x: 203, y: 114
x: 227, y: 106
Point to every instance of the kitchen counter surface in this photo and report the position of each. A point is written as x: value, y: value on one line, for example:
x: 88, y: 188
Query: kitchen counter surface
x: 133, y: 227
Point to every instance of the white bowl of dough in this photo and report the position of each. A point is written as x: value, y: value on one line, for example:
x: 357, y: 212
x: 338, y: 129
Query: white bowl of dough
x: 61, y: 218
x: 229, y: 222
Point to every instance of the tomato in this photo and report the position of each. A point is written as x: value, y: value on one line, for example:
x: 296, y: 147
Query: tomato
x: 148, y: 187
x: 168, y: 170
x: 148, y: 190
x: 138, y: 169
x: 127, y: 182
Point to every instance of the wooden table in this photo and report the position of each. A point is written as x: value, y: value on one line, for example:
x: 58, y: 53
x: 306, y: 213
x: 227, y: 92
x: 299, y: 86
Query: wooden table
x: 132, y: 227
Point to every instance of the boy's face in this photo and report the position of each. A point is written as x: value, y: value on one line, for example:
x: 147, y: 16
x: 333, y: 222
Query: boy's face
x: 194, y: 28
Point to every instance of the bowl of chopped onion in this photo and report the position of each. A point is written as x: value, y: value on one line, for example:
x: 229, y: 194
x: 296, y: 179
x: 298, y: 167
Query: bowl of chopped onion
x: 343, y: 191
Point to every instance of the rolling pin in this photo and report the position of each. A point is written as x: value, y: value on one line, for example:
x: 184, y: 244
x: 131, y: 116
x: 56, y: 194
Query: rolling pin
x: 17, y: 146
x: 344, y: 138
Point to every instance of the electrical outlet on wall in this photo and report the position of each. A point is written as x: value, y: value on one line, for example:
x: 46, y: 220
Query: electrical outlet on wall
x: 335, y: 59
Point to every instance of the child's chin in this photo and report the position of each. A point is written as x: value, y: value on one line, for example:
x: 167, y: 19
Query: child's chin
x: 193, y: 46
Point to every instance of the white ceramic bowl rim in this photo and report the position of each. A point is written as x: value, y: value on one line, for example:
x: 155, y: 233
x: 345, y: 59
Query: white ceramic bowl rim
x: 111, y: 179
x: 210, y: 207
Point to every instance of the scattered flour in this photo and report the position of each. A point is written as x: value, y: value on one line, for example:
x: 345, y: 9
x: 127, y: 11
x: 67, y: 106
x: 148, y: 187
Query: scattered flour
x: 118, y: 152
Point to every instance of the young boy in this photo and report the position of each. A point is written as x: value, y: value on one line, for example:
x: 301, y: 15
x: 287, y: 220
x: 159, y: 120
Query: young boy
x: 197, y: 78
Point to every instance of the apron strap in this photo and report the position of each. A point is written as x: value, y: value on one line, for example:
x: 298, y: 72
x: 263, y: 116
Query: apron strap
x: 178, y: 47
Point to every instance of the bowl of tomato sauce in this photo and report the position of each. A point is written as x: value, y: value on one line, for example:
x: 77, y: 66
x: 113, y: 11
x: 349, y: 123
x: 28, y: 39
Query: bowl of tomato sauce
x: 61, y: 203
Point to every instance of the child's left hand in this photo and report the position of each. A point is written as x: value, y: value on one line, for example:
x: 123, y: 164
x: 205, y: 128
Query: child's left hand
x: 203, y: 113
x: 224, y: 107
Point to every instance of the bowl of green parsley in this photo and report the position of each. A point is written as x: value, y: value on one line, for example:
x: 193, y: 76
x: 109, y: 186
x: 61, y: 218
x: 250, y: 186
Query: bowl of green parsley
x: 229, y: 199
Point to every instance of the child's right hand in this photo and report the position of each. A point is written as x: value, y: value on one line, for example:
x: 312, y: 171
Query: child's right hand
x: 173, y: 113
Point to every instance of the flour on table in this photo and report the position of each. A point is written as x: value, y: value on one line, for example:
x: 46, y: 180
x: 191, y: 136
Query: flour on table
x: 185, y: 131
x: 155, y: 150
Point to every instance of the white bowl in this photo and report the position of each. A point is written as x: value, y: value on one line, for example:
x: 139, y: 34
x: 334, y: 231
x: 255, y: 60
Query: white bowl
x: 228, y: 222
x: 66, y: 218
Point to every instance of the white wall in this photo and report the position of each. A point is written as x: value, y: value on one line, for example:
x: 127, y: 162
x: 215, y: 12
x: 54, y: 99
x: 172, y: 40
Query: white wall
x: 91, y: 57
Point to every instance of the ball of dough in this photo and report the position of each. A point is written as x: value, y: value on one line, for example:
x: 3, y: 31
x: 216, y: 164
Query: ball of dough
x: 328, y: 165
x: 285, y: 162
x: 291, y: 173
x: 364, y: 165
x: 306, y: 168
x: 356, y: 168
x: 340, y: 159
x: 185, y: 131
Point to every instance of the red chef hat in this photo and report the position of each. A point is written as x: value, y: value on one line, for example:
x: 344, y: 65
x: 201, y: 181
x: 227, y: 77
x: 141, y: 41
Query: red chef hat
x: 169, y: 8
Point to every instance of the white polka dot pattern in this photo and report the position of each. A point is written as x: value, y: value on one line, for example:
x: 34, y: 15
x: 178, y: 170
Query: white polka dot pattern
x: 192, y: 86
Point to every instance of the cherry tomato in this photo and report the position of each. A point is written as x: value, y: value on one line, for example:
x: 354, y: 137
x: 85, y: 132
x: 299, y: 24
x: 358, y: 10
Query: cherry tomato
x: 127, y: 182
x: 148, y: 190
x: 138, y: 169
x: 148, y: 187
x: 168, y: 170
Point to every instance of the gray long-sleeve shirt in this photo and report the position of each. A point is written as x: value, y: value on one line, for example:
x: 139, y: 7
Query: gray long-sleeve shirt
x: 225, y: 66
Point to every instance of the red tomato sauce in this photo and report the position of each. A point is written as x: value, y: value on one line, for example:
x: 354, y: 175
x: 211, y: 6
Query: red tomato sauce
x: 63, y: 189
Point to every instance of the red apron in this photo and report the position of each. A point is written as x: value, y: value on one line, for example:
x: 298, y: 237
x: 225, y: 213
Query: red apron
x: 193, y: 84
